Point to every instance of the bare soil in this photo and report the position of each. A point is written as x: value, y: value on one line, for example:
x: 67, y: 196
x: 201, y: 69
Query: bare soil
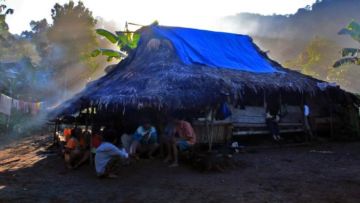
x: 329, y: 172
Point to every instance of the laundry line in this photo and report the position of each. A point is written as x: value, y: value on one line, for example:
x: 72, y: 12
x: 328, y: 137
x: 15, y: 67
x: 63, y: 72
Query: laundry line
x: 7, y: 103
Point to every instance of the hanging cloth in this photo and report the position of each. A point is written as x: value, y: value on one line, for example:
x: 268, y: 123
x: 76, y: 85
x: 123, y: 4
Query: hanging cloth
x: 16, y: 104
x: 5, y: 104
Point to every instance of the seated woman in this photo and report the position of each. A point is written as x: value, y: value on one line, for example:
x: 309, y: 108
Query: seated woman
x: 182, y: 139
x: 145, y: 139
x: 109, y: 158
x: 76, y: 149
x: 72, y: 151
x: 272, y: 119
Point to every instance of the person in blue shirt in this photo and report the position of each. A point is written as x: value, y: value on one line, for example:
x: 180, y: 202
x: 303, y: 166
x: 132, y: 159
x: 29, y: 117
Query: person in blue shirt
x: 145, y: 139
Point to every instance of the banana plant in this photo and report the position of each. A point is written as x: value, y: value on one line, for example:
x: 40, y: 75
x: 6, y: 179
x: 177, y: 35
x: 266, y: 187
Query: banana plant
x: 125, y: 41
x: 350, y: 55
x: 4, y: 11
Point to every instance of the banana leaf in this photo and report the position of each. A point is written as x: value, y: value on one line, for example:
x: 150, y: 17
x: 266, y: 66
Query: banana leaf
x: 134, y: 41
x: 2, y: 7
x: 108, y: 52
x: 350, y: 52
x: 108, y: 35
x: 128, y: 40
x: 345, y: 61
x: 9, y: 11
x: 95, y: 53
x: 123, y: 40
x: 353, y: 29
x: 354, y: 26
x: 112, y: 53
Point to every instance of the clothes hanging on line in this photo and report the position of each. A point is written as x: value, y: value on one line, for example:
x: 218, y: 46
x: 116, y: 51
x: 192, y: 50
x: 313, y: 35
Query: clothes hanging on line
x: 5, y: 104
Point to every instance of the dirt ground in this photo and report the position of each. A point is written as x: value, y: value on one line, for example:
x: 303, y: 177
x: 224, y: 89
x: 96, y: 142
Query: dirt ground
x: 329, y: 172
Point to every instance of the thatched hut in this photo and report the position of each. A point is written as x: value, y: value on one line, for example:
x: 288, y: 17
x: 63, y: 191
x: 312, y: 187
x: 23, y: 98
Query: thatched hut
x: 189, y: 70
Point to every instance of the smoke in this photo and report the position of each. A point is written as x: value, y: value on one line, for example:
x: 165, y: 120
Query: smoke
x: 307, y: 40
x: 287, y: 35
x: 61, y: 69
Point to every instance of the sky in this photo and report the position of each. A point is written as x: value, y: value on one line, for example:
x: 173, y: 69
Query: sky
x: 205, y: 14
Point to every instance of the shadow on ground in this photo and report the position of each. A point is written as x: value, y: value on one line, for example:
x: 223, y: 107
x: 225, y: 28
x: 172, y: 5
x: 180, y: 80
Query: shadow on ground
x: 30, y: 172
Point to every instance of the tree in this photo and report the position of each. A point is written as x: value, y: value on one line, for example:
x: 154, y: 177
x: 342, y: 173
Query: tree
x: 71, y: 40
x: 38, y: 36
x: 73, y: 33
x: 317, y: 58
x: 6, y: 38
x: 4, y: 28
x: 350, y: 55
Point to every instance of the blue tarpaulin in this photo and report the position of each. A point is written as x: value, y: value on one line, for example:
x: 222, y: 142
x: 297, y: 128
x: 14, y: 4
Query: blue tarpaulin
x: 216, y: 49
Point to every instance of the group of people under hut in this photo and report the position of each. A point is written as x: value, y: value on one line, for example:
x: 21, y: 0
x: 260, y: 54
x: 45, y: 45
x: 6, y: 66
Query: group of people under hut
x: 111, y: 151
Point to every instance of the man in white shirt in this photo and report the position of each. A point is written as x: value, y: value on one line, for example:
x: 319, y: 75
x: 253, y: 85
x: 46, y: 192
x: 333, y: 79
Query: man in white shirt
x: 109, y: 158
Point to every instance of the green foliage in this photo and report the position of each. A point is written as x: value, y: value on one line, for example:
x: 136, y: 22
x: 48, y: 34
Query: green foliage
x: 4, y: 10
x: 73, y: 31
x: 125, y: 41
x: 350, y: 52
x: 111, y: 54
x: 353, y: 29
x: 316, y: 60
x: 128, y: 40
x: 347, y: 61
x: 71, y: 39
x: 108, y: 35
x: 350, y: 55
x: 4, y: 28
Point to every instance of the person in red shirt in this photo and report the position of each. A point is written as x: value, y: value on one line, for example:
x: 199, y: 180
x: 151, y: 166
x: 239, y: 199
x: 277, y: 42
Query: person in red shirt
x: 67, y: 134
x: 77, y: 149
x: 182, y: 137
x: 72, y: 148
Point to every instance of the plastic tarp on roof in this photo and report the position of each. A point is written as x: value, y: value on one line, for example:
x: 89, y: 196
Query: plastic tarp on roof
x: 216, y: 49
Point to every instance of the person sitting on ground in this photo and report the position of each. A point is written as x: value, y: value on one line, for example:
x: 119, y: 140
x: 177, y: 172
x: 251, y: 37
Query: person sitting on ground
x: 72, y: 152
x: 109, y: 158
x: 182, y: 139
x: 145, y: 139
x: 272, y: 119
x: 84, y: 143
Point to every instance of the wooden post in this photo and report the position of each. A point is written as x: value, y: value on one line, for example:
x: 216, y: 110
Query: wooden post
x: 211, y: 134
x: 207, y: 131
x: 331, y: 122
x: 265, y: 104
x: 55, y: 131
x: 86, y: 119
x: 91, y: 134
x: 280, y: 104
x: 331, y: 114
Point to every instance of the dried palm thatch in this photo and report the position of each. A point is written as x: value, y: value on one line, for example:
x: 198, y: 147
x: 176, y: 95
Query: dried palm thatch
x: 154, y: 76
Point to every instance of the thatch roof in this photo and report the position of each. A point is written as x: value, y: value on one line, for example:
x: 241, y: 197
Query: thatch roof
x: 154, y: 76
